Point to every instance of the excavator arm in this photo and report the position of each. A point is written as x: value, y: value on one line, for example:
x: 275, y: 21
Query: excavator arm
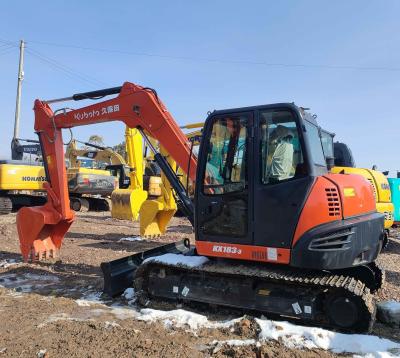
x: 41, y: 229
x: 101, y: 154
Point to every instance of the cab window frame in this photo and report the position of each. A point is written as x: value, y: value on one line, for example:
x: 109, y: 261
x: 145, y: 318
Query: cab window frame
x: 218, y: 117
x: 300, y: 135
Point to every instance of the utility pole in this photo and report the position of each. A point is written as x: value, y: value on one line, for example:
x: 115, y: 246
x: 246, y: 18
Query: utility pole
x: 20, y: 79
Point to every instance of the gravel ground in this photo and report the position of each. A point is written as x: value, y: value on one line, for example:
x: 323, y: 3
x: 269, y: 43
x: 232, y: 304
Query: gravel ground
x: 45, y: 316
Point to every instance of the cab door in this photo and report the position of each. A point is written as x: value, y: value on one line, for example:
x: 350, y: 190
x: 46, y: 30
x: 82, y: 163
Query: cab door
x: 281, y: 183
x: 223, y: 200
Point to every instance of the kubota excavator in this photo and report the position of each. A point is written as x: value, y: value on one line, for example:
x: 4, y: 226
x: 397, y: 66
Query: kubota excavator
x: 280, y: 234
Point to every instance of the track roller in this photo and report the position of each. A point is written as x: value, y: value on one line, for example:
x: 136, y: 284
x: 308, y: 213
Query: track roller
x: 346, y: 311
x: 79, y: 204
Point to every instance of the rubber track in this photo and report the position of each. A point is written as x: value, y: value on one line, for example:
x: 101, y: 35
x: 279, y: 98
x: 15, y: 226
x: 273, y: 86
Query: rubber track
x: 308, y: 279
x: 380, y: 274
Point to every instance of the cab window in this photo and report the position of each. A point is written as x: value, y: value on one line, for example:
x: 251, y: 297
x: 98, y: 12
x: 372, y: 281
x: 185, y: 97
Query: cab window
x: 226, y: 169
x: 280, y: 148
x: 314, y: 139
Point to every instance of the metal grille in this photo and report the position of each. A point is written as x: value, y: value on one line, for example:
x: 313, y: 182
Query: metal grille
x: 339, y: 240
x: 332, y: 196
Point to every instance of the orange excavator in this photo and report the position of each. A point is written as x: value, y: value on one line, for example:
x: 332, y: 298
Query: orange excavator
x: 275, y: 231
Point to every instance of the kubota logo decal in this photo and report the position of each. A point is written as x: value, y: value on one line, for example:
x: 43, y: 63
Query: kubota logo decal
x: 95, y: 112
x: 227, y: 249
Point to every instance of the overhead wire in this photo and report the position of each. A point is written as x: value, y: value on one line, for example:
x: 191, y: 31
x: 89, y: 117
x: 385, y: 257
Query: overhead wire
x: 56, y: 65
x: 6, y: 50
x: 7, y: 46
x: 224, y: 61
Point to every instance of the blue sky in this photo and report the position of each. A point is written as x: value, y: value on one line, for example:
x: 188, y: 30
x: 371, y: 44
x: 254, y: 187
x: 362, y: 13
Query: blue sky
x: 210, y: 55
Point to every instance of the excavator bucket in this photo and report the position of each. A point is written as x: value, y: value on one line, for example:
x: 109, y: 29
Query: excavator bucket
x: 126, y: 203
x: 41, y: 231
x: 154, y: 218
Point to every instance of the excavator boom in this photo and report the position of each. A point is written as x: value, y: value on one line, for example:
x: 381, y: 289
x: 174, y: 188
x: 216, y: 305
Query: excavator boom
x: 136, y: 106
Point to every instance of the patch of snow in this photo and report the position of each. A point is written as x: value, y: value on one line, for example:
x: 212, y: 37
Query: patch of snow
x: 110, y: 325
x: 289, y: 334
x: 129, y: 293
x: 62, y: 317
x: 89, y: 299
x: 134, y: 238
x: 176, y: 259
x: 181, y: 318
x: 300, y: 337
x: 124, y: 312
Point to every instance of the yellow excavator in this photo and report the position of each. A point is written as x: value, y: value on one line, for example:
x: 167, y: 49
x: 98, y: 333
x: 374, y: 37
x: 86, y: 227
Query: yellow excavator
x: 89, y: 186
x: 21, y: 181
x: 341, y: 161
x: 148, y: 196
x: 127, y: 200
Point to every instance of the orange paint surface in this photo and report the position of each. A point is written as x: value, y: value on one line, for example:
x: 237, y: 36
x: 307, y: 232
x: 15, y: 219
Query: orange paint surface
x: 322, y: 206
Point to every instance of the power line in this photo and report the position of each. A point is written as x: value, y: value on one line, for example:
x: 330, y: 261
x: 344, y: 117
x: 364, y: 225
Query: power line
x: 58, y: 66
x: 215, y: 60
x: 15, y: 43
x: 224, y: 61
x: 6, y: 50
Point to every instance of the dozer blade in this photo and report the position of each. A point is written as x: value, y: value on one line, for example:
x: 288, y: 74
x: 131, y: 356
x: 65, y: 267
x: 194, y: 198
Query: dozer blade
x: 41, y: 231
x: 118, y: 274
x: 154, y: 218
x: 126, y: 203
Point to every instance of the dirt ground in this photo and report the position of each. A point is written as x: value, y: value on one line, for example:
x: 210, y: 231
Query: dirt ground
x: 41, y: 314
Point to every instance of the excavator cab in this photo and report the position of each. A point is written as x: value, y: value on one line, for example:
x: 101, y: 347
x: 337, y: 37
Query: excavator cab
x: 258, y: 168
x: 254, y: 164
x: 122, y: 172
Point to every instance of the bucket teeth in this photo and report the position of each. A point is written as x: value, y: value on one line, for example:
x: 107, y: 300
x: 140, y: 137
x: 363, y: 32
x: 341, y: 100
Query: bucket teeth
x: 154, y: 218
x: 41, y: 231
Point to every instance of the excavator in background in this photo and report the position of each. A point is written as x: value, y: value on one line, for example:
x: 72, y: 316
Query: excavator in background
x: 89, y: 186
x: 18, y: 150
x: 145, y: 193
x: 292, y: 240
x: 341, y: 161
x: 394, y: 184
x: 21, y: 181
x: 128, y: 198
